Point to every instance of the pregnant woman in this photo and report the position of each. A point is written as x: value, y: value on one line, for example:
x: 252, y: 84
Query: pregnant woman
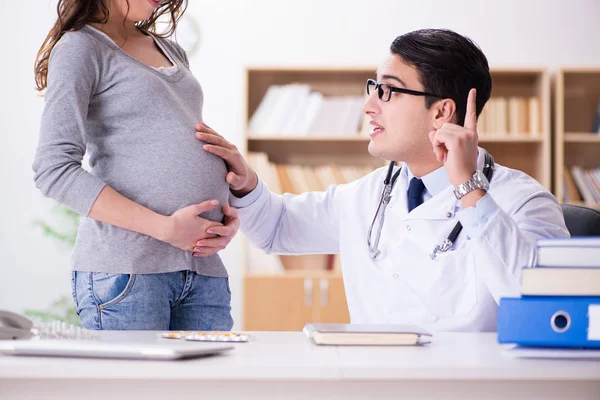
x: 155, y: 201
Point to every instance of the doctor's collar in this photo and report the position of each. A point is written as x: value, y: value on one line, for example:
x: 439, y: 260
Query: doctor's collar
x: 435, y: 181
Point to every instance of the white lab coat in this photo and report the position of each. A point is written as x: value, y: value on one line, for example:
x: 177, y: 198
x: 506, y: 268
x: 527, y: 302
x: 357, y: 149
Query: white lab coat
x: 458, y: 291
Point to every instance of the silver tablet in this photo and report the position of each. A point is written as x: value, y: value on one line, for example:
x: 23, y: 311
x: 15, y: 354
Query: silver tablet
x: 97, y: 349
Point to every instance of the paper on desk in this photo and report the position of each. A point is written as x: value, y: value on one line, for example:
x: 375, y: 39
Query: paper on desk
x: 537, y: 352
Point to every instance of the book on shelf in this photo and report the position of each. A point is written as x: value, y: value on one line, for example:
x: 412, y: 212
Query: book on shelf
x: 596, y: 128
x: 571, y: 193
x: 297, y: 179
x: 266, y: 170
x: 587, y: 183
x: 511, y: 116
x: 296, y: 110
x: 258, y: 260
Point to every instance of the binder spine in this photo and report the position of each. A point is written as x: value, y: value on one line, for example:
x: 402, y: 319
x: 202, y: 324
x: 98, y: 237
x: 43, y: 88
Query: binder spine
x: 547, y: 321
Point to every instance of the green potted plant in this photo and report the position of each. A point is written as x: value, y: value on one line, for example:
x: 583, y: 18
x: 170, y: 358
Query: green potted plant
x: 63, y: 232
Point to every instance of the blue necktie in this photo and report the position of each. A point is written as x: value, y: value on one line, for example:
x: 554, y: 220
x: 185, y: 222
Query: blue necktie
x: 415, y: 193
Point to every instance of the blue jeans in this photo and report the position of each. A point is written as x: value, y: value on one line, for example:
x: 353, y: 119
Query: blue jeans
x: 182, y: 300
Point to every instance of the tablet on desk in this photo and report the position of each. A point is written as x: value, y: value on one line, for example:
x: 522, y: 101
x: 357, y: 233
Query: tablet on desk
x: 97, y: 349
x: 366, y: 335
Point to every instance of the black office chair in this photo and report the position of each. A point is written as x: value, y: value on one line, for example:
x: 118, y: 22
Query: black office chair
x: 581, y: 221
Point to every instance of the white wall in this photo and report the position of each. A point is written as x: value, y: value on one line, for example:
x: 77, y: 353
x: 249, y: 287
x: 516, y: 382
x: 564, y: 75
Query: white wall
x: 33, y: 271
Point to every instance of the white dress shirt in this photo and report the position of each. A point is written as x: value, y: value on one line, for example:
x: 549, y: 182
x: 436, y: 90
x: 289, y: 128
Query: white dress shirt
x: 457, y: 291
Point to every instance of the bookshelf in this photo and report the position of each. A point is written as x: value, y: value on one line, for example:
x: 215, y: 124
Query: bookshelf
x: 577, y: 140
x: 515, y: 123
x: 310, y: 288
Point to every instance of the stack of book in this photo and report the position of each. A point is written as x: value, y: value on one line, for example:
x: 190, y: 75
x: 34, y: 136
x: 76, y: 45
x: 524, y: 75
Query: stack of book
x: 296, y: 110
x: 582, y: 185
x: 560, y: 298
x: 511, y: 116
x: 297, y: 179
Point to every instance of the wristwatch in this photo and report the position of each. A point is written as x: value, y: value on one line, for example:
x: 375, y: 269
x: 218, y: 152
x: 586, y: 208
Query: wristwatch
x: 478, y: 181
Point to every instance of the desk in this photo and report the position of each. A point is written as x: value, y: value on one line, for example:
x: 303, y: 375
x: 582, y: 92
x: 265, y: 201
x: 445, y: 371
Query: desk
x: 277, y: 365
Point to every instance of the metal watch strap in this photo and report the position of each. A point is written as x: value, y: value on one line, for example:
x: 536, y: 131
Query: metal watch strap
x: 478, y: 181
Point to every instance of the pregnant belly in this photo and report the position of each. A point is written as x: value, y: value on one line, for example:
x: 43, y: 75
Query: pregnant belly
x: 168, y: 183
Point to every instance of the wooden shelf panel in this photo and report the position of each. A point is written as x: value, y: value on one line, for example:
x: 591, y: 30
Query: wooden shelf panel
x: 483, y: 138
x: 582, y: 137
x: 523, y: 156
x: 287, y: 303
x: 307, y: 151
x: 580, y: 70
x: 577, y: 100
x: 329, y: 81
x: 309, y: 139
x: 517, y: 82
x: 522, y: 152
x: 582, y: 153
x: 580, y: 97
x: 312, y: 69
x: 510, y: 138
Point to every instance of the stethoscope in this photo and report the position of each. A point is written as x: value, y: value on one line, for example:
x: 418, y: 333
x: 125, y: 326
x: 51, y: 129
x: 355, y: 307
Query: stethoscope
x: 388, y: 185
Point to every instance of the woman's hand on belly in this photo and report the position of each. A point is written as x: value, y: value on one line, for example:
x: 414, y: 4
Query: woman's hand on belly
x: 184, y: 228
x: 209, y: 246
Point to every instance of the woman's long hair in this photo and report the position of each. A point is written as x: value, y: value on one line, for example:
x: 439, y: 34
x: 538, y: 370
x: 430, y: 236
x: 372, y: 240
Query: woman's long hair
x: 75, y: 14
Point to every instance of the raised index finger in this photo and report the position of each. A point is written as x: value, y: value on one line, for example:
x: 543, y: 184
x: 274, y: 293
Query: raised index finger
x: 471, y: 113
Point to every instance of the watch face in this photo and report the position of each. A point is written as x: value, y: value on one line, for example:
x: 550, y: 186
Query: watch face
x: 481, y: 180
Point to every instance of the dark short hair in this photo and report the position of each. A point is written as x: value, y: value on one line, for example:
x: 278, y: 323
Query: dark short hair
x: 449, y: 65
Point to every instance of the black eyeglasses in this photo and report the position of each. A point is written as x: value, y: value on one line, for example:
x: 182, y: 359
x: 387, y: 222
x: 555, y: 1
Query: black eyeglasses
x: 384, y: 91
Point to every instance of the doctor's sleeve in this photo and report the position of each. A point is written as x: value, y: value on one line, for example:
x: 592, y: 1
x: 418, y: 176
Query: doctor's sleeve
x: 505, y: 242
x: 290, y: 224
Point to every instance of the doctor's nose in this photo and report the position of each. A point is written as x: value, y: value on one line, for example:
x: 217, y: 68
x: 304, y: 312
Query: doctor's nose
x: 371, y: 105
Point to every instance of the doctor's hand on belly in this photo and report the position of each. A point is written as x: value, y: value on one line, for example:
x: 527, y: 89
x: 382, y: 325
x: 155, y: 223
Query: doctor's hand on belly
x: 240, y: 177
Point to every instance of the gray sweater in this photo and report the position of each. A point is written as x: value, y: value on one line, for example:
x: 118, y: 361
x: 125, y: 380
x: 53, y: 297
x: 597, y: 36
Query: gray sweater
x: 138, y: 126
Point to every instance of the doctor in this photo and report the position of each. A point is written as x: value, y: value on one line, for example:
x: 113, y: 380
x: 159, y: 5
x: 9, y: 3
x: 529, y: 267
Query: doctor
x: 423, y: 109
